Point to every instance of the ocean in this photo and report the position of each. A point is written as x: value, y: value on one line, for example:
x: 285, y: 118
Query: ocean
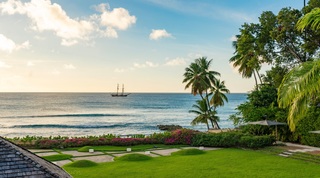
x: 82, y: 114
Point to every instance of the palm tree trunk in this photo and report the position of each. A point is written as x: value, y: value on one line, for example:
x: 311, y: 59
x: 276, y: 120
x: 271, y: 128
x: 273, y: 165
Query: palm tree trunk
x: 207, y: 125
x: 209, y: 108
x: 255, y: 79
x: 216, y: 125
x: 259, y: 76
x: 212, y: 124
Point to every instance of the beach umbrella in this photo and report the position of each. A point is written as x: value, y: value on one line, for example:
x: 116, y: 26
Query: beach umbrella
x: 268, y: 123
x: 316, y: 131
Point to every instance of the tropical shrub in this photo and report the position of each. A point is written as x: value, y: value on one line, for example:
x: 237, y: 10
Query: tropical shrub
x: 224, y: 139
x: 160, y: 137
x: 180, y: 136
x: 47, y: 143
x: 256, y: 141
x: 310, y: 122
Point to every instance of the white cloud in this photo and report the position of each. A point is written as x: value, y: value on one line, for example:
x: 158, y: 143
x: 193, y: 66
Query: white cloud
x: 144, y: 65
x: 69, y: 66
x: 48, y: 16
x: 110, y: 33
x: 4, y: 65
x: 8, y: 45
x: 158, y: 34
x: 119, y: 18
x: 176, y: 62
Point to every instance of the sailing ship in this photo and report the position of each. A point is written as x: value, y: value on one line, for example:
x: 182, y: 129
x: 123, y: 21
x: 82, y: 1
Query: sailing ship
x: 122, y: 94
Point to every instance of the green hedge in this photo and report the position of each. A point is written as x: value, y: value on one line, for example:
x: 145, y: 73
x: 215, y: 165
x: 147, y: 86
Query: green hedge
x: 232, y: 139
x: 256, y: 141
x: 227, y: 139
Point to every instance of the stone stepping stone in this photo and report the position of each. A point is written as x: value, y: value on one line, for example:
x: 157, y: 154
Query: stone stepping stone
x: 203, y: 148
x: 143, y: 153
x: 97, y: 159
x: 284, y: 155
x: 76, y: 153
x: 61, y: 163
x: 166, y: 152
x: 47, y: 153
x: 41, y: 150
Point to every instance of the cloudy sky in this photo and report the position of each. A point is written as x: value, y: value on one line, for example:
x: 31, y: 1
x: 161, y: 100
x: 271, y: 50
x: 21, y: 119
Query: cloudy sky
x: 91, y: 45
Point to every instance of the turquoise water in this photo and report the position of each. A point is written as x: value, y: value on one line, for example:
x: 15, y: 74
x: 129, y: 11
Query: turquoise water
x: 80, y: 114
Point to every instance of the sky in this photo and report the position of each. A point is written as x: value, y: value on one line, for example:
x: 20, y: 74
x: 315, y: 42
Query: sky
x: 93, y: 45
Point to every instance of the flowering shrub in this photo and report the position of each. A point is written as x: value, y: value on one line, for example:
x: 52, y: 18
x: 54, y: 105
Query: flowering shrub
x: 180, y: 136
x: 46, y: 143
x: 75, y: 142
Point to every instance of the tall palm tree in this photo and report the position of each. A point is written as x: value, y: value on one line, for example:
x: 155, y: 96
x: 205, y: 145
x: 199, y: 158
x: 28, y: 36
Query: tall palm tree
x: 199, y: 77
x: 203, y: 113
x: 247, y: 56
x: 297, y: 88
x: 311, y: 19
x: 218, y: 98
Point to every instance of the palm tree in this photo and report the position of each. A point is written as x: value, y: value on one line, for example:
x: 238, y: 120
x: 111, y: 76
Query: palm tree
x: 199, y: 77
x: 302, y: 83
x: 297, y: 88
x: 247, y: 56
x: 218, y: 98
x: 203, y: 113
x: 201, y: 80
x: 311, y: 19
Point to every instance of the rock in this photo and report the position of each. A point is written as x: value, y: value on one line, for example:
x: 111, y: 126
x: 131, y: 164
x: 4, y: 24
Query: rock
x: 169, y: 127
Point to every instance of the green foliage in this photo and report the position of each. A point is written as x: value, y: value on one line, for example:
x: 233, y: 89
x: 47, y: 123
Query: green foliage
x: 81, y: 164
x: 186, y: 152
x: 232, y: 139
x: 299, y: 86
x: 138, y: 136
x: 312, y: 20
x: 261, y: 104
x: 160, y: 137
x: 225, y: 139
x: 254, y: 142
x: 57, y: 157
x: 310, y: 122
x: 264, y: 97
x: 133, y: 157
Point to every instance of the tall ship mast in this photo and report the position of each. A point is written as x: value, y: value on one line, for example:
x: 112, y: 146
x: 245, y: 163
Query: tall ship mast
x: 122, y: 94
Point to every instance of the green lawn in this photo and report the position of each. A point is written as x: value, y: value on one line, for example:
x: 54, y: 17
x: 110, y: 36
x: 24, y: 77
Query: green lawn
x: 217, y: 163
